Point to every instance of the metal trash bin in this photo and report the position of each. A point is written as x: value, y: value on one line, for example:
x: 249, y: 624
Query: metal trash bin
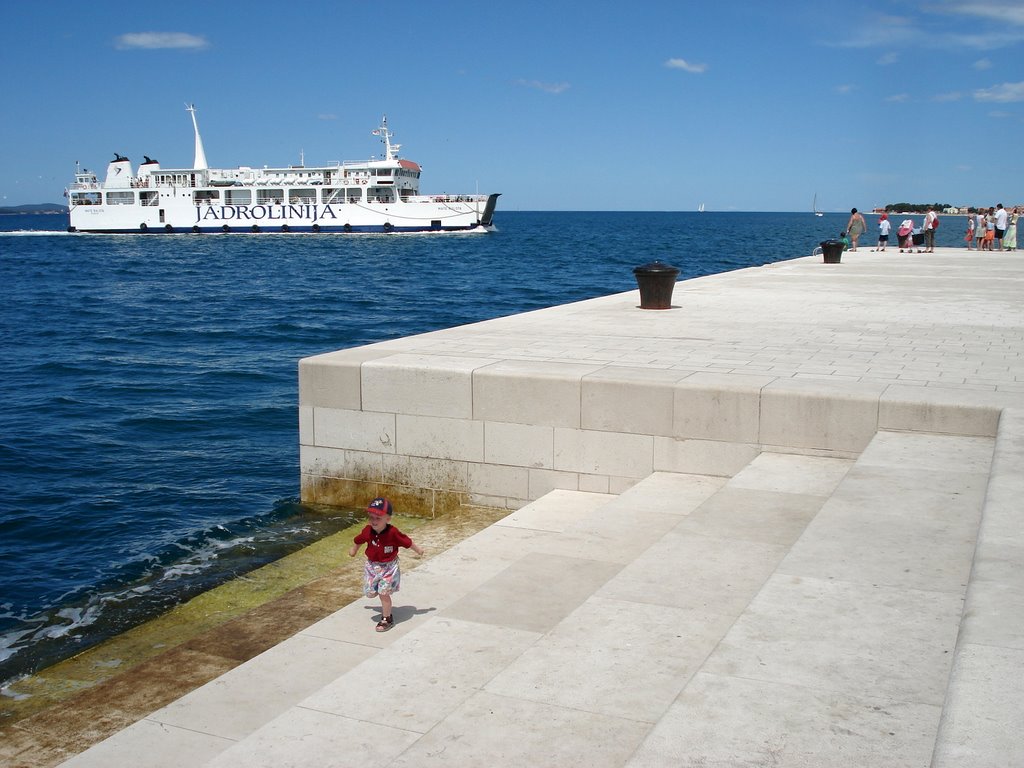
x: 831, y: 251
x: 656, y: 281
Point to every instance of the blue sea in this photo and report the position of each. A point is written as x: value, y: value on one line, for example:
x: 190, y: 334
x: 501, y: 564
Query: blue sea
x: 148, y: 397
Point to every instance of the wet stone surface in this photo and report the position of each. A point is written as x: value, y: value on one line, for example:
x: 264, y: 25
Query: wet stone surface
x: 72, y: 705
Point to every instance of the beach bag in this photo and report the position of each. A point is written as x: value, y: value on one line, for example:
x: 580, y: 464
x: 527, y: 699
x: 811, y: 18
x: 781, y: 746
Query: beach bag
x: 935, y: 223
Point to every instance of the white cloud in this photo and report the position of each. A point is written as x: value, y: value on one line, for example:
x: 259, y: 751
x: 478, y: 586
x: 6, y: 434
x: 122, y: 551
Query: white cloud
x: 943, y: 25
x: 982, y: 64
x: 554, y: 88
x: 898, y: 97
x: 1002, y: 93
x: 686, y: 66
x: 846, y: 88
x: 155, y: 40
x: 1002, y: 11
x: 951, y: 96
x: 888, y: 58
x: 884, y: 31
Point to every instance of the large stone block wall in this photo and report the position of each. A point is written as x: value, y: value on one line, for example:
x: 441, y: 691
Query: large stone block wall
x: 435, y: 431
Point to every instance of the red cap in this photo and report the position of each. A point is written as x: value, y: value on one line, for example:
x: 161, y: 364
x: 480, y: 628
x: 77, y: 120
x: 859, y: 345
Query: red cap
x: 380, y: 506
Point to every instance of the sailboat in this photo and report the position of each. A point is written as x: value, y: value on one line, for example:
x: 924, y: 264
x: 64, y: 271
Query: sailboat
x: 700, y: 208
x: 814, y: 206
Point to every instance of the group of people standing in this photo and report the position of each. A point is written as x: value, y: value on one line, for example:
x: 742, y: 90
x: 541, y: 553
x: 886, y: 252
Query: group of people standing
x: 993, y: 229
x: 857, y: 226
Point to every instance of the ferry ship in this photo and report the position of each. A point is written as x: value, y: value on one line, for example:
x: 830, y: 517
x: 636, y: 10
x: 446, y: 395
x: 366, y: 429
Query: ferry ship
x: 376, y: 195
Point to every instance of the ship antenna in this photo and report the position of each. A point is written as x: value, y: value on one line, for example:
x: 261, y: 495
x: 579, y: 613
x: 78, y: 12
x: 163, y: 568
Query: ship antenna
x: 391, y: 150
x: 200, y: 161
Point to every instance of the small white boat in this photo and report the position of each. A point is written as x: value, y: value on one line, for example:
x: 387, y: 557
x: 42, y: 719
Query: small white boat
x: 700, y: 208
x: 365, y: 196
x: 814, y: 206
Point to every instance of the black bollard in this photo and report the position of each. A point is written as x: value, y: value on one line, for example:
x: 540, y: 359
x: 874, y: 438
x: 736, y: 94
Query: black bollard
x: 656, y: 281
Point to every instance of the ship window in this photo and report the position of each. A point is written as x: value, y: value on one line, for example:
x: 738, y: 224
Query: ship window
x: 300, y: 196
x: 120, y: 198
x: 332, y: 195
x: 205, y: 196
x: 354, y: 194
x: 149, y: 198
x: 86, y: 198
x: 269, y: 196
x: 381, y: 194
x: 238, y: 196
x: 382, y: 172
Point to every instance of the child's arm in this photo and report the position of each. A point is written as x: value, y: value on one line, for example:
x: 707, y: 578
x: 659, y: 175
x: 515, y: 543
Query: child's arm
x: 416, y: 548
x: 353, y: 550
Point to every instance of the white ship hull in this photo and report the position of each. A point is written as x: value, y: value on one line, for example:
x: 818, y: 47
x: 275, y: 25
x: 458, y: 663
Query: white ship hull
x: 368, y: 196
x: 176, y: 215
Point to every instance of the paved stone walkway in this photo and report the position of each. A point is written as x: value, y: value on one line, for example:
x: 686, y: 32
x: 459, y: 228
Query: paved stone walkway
x: 802, y: 610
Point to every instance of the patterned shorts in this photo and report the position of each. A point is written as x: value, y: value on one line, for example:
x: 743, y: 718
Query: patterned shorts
x: 381, y: 578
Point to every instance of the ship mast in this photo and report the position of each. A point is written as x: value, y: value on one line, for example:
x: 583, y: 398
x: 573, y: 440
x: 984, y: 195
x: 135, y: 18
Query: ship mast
x: 391, y: 150
x: 200, y: 161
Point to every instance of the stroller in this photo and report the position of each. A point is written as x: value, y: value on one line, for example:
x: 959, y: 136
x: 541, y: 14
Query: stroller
x: 907, y: 237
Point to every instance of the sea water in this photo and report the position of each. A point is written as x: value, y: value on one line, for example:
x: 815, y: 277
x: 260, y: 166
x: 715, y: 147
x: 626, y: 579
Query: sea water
x: 148, y: 396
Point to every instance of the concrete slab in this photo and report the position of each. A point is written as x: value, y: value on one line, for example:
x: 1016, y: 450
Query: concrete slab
x: 556, y: 511
x: 844, y: 637
x: 792, y: 473
x: 657, y: 648
x: 303, y: 737
x: 240, y: 701
x: 509, y: 732
x: 686, y: 569
x: 979, y: 729
x: 732, y: 721
x: 430, y: 672
x: 556, y: 586
x: 764, y: 517
x: 152, y: 744
x: 666, y: 493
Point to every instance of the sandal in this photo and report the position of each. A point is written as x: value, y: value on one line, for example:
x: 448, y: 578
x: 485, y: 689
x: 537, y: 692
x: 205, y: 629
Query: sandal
x: 385, y: 624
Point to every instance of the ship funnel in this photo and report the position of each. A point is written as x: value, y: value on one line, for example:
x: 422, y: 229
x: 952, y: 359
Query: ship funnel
x: 119, y: 173
x: 200, y: 161
x: 149, y: 167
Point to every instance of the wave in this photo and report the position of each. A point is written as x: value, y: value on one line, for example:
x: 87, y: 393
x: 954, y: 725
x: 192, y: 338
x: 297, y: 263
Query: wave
x: 37, y: 233
x: 149, y: 584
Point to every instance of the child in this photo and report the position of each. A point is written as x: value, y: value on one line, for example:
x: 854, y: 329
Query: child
x: 381, y: 575
x: 845, y: 239
x: 883, y: 232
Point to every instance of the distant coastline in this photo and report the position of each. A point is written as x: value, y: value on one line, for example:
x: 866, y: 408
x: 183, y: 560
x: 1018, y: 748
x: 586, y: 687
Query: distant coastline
x: 20, y: 210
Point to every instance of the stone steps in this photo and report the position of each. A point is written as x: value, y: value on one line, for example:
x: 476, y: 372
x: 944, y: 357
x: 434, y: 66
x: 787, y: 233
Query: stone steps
x: 804, y: 611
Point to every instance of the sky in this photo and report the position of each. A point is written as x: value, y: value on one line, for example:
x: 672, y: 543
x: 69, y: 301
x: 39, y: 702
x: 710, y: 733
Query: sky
x: 661, y: 105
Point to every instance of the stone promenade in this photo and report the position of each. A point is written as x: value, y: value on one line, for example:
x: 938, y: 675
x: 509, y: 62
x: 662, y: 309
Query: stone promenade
x: 779, y: 524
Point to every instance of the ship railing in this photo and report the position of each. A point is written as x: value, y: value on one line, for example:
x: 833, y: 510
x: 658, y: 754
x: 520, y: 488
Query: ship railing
x: 445, y: 198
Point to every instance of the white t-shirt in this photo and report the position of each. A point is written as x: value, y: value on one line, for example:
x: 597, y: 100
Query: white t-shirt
x: 883, y: 227
x: 1001, y: 218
